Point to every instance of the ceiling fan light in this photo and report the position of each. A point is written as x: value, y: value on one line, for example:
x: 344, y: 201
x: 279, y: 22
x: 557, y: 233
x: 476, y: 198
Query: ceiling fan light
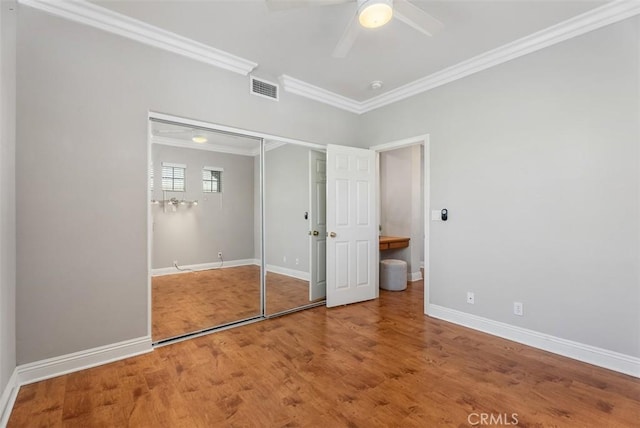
x: 375, y: 13
x: 199, y: 139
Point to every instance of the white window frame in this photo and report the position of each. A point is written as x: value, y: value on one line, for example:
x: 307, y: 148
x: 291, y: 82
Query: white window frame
x: 204, y: 180
x: 173, y: 179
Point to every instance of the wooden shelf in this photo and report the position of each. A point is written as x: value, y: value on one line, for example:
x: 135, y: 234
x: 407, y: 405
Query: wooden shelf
x: 393, y: 242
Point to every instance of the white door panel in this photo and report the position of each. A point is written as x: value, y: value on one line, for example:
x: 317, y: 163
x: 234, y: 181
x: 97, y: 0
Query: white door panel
x: 318, y: 223
x: 352, y: 242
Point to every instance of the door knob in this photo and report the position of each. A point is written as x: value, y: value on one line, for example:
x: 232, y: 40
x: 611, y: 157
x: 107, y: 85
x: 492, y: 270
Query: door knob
x: 316, y: 233
x: 333, y: 234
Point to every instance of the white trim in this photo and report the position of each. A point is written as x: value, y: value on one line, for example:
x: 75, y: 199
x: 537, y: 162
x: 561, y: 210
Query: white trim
x: 149, y: 228
x: 573, y: 27
x: 307, y: 90
x: 203, y: 266
x: 105, y: 19
x: 298, y: 274
x: 57, y: 366
x: 578, y: 351
x: 8, y: 398
x: 213, y: 168
x: 427, y: 220
x: 272, y: 145
x: 399, y: 144
x: 414, y: 276
x: 117, y: 23
x: 599, y: 17
x: 174, y: 165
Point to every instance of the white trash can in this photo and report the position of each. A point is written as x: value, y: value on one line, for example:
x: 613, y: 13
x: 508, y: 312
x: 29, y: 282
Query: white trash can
x: 393, y: 274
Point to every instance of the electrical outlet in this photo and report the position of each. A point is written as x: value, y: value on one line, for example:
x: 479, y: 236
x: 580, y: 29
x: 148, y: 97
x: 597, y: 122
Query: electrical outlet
x: 518, y: 308
x: 297, y: 261
x: 471, y: 298
x: 284, y: 259
x: 219, y: 254
x: 175, y: 262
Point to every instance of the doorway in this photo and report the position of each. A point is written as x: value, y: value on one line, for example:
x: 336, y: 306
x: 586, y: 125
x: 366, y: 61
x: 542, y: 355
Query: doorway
x: 404, y: 193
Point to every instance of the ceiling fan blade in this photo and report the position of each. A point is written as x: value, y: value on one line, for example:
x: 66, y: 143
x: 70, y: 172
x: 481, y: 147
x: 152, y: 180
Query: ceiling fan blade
x: 416, y: 18
x: 348, y: 38
x: 276, y: 5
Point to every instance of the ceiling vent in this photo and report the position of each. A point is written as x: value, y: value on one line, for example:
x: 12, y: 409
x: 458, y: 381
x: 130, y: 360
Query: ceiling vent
x: 263, y: 88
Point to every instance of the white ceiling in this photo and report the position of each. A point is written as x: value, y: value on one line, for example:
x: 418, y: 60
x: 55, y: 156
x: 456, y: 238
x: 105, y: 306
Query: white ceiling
x: 299, y: 42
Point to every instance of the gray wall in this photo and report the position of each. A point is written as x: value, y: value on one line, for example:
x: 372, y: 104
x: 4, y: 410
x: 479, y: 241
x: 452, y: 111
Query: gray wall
x: 83, y: 98
x: 395, y: 192
x: 530, y: 157
x: 537, y: 161
x: 220, y: 222
x: 286, y: 200
x: 7, y: 195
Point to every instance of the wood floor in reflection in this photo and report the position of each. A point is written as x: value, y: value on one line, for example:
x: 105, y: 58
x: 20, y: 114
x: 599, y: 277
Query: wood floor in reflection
x: 192, y: 301
x: 381, y: 363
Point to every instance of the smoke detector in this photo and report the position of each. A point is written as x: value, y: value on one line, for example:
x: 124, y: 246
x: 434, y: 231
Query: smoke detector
x: 375, y: 85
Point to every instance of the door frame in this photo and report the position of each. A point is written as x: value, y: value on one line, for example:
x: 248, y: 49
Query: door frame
x: 424, y: 141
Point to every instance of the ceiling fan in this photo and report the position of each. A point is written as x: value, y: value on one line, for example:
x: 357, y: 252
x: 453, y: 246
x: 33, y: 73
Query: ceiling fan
x: 369, y: 14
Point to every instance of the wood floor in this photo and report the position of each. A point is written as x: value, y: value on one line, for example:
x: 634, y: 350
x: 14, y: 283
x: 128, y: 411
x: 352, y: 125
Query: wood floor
x: 192, y: 301
x: 375, y: 364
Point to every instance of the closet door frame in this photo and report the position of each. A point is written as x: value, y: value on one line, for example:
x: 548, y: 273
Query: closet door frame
x: 264, y: 139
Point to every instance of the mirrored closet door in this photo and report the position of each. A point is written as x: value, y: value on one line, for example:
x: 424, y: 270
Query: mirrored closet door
x: 206, y: 229
x: 295, y: 230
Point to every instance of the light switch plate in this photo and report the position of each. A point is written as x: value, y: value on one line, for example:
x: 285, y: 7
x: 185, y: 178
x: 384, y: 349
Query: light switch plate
x: 435, y: 215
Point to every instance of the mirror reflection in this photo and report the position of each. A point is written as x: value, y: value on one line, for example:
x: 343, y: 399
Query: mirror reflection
x: 295, y: 231
x: 204, y: 191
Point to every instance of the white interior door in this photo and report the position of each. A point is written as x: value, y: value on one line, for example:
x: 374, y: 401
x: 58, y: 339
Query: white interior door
x: 352, y: 225
x: 318, y: 225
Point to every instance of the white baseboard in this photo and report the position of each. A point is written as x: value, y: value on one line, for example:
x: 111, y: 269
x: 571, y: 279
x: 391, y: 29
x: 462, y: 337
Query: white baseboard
x: 52, y: 367
x: 304, y: 276
x: 202, y: 266
x: 414, y: 276
x: 8, y: 398
x: 578, y: 351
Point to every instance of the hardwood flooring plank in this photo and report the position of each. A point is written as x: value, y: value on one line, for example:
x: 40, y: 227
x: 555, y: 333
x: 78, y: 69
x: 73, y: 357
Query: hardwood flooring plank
x: 376, y: 364
x: 192, y: 301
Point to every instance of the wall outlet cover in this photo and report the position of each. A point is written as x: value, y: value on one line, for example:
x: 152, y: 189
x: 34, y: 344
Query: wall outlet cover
x: 471, y: 298
x: 518, y: 308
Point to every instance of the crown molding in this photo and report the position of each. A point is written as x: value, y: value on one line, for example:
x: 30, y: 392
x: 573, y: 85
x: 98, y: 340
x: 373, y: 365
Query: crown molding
x: 113, y: 22
x: 599, y: 17
x: 87, y: 13
x: 573, y: 27
x: 316, y: 93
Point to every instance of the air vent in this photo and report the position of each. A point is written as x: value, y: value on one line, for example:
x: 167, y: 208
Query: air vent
x: 265, y: 89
